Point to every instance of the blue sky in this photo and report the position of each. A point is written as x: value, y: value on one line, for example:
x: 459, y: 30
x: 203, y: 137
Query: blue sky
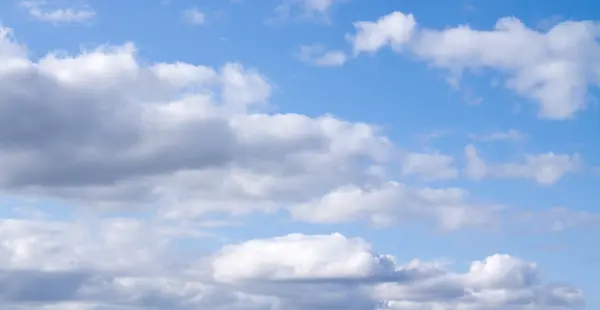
x: 226, y: 127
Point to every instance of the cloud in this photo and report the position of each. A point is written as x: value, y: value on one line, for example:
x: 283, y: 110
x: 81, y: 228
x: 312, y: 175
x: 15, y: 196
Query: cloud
x: 191, y: 141
x: 38, y: 286
x: 65, y: 265
x: 554, y: 69
x: 545, y: 169
x: 58, y: 246
x: 395, y: 30
x: 40, y: 11
x: 306, y: 9
x: 104, y: 129
x: 393, y: 203
x: 429, y: 166
x: 311, y: 258
x: 498, y: 282
x: 194, y: 16
x: 509, y: 135
x: 318, y: 55
x: 559, y: 219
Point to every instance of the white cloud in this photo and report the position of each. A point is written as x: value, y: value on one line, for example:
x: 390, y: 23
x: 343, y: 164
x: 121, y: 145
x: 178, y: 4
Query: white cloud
x: 141, y: 136
x: 475, y: 168
x: 554, y: 68
x: 69, y: 265
x: 318, y: 55
x: 300, y: 257
x: 104, y: 129
x: 393, y: 202
x: 194, y: 141
x: 545, y: 169
x: 40, y: 11
x: 559, y: 219
x: 395, y: 29
x: 306, y: 8
x: 54, y: 246
x: 508, y: 135
x: 498, y: 282
x: 429, y: 166
x: 194, y: 16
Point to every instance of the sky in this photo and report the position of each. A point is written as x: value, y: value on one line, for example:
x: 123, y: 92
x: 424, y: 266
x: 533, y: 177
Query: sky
x: 299, y: 155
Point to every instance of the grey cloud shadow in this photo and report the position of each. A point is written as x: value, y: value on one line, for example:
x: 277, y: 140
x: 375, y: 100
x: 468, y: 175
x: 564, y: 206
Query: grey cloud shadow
x: 39, y: 286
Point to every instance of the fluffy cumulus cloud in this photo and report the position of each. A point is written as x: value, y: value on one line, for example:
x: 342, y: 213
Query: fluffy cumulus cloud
x: 123, y: 264
x: 497, y: 282
x: 109, y: 264
x: 101, y: 130
x: 554, y: 69
x: 177, y: 143
x: 300, y: 258
x: 135, y: 133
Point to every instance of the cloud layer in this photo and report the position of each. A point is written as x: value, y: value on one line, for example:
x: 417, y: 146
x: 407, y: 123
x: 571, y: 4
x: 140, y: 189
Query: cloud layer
x: 105, y: 131
x: 128, y: 264
x: 101, y: 130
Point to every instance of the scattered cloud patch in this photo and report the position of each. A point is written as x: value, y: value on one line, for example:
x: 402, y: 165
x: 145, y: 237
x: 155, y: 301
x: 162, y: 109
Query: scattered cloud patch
x: 508, y: 135
x: 42, y: 11
x: 429, y: 166
x: 431, y: 136
x: 497, y: 282
x: 193, y: 16
x: 559, y: 219
x: 395, y: 203
x: 395, y: 30
x: 555, y: 68
x: 546, y: 169
x: 318, y: 55
x: 306, y: 9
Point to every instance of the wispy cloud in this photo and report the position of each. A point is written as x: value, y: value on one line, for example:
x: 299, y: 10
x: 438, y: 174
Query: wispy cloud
x: 560, y: 219
x: 42, y: 12
x: 318, y: 55
x: 194, y: 16
x: 509, y: 135
x: 305, y: 9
